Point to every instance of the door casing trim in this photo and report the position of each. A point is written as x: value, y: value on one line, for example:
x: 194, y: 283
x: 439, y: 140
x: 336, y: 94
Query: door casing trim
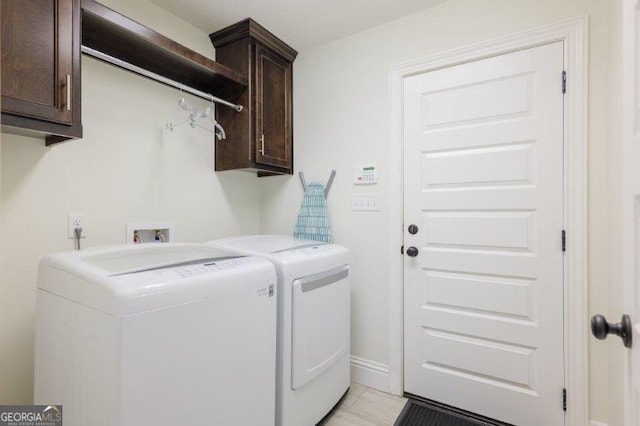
x: 574, y: 34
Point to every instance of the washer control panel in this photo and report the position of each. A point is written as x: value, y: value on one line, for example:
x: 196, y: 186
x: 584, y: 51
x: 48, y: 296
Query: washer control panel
x: 208, y: 267
x: 186, y: 271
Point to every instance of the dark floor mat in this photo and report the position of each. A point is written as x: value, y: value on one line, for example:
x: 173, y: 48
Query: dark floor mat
x: 418, y: 413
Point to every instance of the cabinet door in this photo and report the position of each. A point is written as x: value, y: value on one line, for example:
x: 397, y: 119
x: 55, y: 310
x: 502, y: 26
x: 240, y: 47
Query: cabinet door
x: 37, y: 59
x: 273, y: 110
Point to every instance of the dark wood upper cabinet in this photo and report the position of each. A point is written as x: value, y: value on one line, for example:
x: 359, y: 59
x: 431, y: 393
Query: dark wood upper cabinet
x: 41, y: 67
x: 260, y: 137
x: 41, y: 49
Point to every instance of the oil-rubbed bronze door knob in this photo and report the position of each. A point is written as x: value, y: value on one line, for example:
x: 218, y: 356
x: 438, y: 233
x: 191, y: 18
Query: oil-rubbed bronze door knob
x: 600, y: 328
x: 412, y: 252
x: 413, y: 229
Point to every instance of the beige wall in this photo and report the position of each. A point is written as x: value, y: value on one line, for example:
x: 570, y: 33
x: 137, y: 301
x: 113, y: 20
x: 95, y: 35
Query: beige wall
x: 342, y: 115
x: 126, y: 168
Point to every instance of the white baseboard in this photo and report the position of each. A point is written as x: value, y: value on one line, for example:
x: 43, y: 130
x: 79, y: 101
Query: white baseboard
x: 594, y: 423
x: 371, y: 374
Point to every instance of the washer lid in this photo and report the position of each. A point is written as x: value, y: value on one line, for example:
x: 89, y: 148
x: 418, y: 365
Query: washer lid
x: 153, y: 258
x: 268, y: 244
x: 122, y: 280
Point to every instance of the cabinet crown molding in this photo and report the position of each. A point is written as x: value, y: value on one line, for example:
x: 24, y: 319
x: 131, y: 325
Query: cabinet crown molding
x: 250, y: 28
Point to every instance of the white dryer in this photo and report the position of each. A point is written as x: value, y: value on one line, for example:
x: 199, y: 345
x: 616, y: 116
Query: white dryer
x: 157, y: 334
x: 313, y: 323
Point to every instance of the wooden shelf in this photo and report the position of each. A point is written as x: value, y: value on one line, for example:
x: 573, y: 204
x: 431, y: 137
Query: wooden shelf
x: 116, y: 35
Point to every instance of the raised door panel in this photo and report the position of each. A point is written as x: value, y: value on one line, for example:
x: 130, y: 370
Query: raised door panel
x: 273, y: 110
x: 37, y: 59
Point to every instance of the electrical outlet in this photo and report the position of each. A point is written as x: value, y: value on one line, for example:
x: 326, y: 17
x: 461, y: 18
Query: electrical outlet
x: 76, y: 221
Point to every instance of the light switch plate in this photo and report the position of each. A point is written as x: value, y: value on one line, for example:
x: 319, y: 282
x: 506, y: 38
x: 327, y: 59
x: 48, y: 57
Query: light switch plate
x: 366, y: 201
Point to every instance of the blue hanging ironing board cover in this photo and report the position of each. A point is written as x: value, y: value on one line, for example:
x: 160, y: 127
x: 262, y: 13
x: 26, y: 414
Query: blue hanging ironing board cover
x: 313, y: 219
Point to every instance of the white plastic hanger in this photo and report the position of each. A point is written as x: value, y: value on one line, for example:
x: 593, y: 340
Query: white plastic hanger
x: 194, y: 116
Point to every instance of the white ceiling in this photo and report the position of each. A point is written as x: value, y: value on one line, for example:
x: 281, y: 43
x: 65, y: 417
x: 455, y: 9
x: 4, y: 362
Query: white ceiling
x: 300, y: 23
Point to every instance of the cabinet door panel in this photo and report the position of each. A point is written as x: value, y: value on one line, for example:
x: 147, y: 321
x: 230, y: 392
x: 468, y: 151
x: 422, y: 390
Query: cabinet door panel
x: 273, y: 110
x: 37, y: 58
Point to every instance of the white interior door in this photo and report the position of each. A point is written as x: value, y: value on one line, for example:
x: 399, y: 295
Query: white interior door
x: 631, y: 201
x: 483, y: 161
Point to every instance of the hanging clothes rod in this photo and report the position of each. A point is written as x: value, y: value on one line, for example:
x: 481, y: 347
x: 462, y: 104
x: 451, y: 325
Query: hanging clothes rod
x: 126, y: 65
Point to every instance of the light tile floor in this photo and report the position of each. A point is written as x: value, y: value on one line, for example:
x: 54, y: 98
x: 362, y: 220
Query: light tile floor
x: 364, y: 406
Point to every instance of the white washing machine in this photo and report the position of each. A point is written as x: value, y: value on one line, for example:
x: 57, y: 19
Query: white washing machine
x: 157, y: 334
x: 313, y: 323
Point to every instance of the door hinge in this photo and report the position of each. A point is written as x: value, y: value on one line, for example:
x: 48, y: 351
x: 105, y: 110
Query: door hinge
x: 564, y: 240
x: 402, y: 250
x: 564, y: 399
x: 564, y: 82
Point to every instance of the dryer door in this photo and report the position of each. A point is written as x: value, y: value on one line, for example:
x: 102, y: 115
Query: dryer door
x: 320, y: 323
